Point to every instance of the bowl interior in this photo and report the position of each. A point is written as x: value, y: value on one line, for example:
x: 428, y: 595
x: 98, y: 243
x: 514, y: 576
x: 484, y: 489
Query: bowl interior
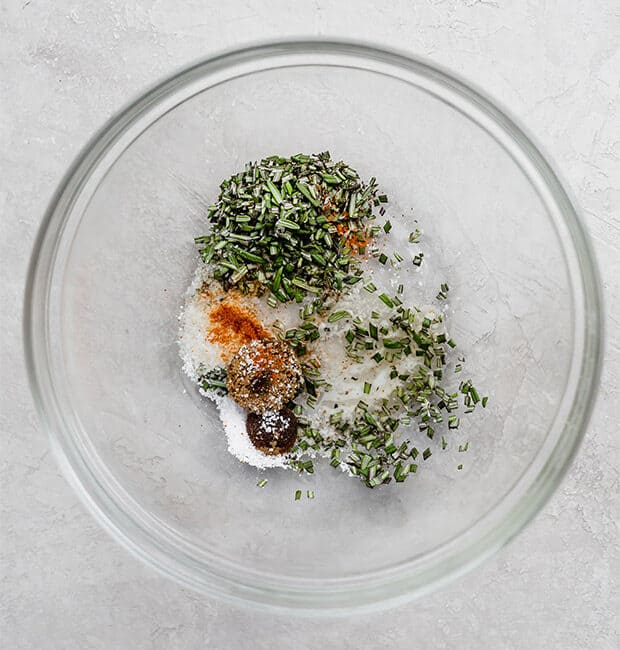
x: 130, y: 256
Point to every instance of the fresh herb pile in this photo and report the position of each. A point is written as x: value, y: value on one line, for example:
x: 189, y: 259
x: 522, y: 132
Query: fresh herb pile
x: 366, y: 445
x: 290, y: 227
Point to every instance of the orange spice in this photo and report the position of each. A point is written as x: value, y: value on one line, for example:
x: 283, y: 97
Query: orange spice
x: 233, y: 325
x: 354, y: 239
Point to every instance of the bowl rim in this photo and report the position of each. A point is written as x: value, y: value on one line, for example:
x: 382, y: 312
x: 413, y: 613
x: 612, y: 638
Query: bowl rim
x: 110, y: 507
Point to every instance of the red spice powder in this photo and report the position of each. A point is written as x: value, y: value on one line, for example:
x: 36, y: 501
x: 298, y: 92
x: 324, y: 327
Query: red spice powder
x: 354, y: 239
x: 232, y: 326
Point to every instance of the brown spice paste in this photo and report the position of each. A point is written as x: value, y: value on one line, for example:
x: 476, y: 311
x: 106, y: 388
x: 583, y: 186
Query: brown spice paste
x: 263, y: 375
x: 273, y: 432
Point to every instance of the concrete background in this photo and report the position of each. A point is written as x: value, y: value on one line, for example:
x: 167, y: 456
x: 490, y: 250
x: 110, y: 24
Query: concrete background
x: 67, y: 66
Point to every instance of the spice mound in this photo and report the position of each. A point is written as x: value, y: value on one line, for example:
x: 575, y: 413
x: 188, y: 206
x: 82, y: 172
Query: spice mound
x: 233, y: 325
x: 264, y: 375
x: 272, y: 432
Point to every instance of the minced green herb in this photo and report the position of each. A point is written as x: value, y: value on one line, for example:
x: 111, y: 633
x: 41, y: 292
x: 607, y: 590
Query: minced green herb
x: 290, y: 227
x: 214, y: 380
x: 414, y: 237
x: 443, y: 292
x: 366, y: 445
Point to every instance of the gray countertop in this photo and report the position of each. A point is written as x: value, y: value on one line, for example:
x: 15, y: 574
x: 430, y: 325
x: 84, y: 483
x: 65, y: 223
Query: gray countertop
x: 67, y: 66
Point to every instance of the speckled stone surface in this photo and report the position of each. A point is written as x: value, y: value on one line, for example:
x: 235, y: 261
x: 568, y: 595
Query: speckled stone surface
x: 67, y: 66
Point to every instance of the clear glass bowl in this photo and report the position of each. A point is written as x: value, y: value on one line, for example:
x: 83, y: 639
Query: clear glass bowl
x: 115, y: 254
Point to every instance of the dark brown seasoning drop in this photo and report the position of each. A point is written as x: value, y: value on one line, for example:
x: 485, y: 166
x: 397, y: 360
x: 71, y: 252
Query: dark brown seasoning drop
x: 260, y: 383
x: 272, y: 432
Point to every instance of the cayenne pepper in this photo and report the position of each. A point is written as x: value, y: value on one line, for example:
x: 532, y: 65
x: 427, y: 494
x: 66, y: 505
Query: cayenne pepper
x: 356, y: 240
x: 232, y: 326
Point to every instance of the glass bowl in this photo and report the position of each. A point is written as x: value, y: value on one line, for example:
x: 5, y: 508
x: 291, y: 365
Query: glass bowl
x: 115, y: 254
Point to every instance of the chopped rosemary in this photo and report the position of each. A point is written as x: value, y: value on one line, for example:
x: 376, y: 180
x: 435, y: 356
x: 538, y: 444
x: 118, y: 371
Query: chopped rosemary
x: 443, y: 292
x: 414, y: 237
x: 365, y: 444
x: 338, y: 315
x: 386, y: 300
x: 275, y: 208
x: 214, y: 380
